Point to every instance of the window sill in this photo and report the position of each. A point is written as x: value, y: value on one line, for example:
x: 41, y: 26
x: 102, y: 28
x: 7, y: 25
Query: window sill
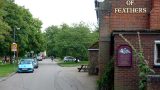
x: 156, y: 66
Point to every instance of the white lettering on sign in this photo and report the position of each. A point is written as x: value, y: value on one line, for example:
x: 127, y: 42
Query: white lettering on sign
x: 130, y: 9
x: 129, y: 2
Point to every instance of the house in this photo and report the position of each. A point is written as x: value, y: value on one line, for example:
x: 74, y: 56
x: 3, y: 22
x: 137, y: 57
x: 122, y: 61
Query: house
x: 130, y: 19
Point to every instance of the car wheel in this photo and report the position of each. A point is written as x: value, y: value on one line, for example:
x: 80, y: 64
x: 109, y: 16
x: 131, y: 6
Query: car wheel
x: 32, y: 71
x: 36, y: 67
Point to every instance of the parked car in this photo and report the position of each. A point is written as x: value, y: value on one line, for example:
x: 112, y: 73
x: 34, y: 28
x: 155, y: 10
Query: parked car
x: 69, y: 58
x: 35, y: 62
x: 39, y: 58
x: 25, y: 66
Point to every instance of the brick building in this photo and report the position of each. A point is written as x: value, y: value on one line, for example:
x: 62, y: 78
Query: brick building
x: 93, y: 59
x: 127, y: 17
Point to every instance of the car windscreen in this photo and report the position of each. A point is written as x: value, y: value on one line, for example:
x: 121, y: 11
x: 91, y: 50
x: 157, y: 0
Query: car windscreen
x: 25, y: 62
x: 68, y: 57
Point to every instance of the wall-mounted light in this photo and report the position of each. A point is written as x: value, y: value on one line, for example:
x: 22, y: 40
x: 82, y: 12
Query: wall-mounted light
x: 100, y: 0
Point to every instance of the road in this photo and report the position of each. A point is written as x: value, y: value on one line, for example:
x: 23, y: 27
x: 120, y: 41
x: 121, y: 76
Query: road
x: 50, y: 76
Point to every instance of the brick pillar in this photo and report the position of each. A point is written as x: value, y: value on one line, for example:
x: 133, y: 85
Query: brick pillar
x: 104, y: 42
x: 155, y: 15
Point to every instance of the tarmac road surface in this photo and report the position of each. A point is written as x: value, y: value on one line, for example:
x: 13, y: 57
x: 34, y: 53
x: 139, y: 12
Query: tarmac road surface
x: 50, y: 76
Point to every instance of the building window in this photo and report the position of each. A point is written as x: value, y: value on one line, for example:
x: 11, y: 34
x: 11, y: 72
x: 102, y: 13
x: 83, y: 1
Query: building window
x: 157, y: 53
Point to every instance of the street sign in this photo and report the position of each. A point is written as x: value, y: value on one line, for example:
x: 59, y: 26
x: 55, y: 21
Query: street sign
x: 32, y: 51
x: 13, y: 47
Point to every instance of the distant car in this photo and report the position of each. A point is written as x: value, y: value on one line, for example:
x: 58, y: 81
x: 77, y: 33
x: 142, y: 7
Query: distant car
x: 69, y: 58
x: 25, y: 66
x: 43, y: 57
x: 39, y: 58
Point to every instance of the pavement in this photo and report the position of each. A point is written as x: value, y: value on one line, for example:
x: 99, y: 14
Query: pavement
x: 88, y: 81
x: 5, y: 78
x: 1, y: 79
x: 54, y: 78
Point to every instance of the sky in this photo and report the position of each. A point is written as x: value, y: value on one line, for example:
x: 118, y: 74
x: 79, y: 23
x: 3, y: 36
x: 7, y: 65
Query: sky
x: 57, y: 12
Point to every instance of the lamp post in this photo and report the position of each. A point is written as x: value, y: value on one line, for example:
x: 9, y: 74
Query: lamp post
x: 14, y: 45
x: 100, y: 0
x: 14, y: 36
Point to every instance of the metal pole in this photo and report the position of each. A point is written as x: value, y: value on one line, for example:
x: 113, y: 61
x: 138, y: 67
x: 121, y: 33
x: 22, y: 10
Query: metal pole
x: 14, y: 34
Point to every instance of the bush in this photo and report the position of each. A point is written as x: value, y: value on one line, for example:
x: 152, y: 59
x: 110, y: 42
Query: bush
x: 106, y: 82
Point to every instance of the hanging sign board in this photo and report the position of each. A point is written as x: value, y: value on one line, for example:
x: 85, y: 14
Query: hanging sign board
x: 13, y: 47
x: 124, y: 55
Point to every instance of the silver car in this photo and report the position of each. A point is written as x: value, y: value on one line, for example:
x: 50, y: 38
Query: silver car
x: 69, y: 58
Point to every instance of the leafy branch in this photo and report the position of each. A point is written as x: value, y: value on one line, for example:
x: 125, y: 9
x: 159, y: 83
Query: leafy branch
x: 106, y: 82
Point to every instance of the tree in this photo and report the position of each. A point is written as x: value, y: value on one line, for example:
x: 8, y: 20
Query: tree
x: 28, y: 34
x: 50, y: 38
x: 4, y: 30
x: 70, y: 40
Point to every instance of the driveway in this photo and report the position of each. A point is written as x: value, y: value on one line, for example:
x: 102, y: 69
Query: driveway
x: 50, y: 76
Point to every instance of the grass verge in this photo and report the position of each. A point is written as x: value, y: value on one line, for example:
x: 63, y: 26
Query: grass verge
x: 71, y: 64
x: 7, y: 69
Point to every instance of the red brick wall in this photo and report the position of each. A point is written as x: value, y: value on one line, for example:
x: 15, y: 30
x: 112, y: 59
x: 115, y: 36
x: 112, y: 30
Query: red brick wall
x: 153, y: 82
x: 118, y: 21
x: 155, y: 15
x: 126, y: 78
x: 131, y: 21
x: 93, y: 61
x: 104, y: 56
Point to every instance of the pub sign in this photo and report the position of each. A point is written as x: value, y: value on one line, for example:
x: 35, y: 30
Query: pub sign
x: 124, y: 55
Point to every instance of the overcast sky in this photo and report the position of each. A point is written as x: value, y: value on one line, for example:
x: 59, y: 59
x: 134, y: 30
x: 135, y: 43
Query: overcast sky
x: 57, y: 12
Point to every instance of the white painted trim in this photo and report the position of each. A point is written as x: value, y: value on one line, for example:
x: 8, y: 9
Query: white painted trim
x: 157, y: 41
x: 155, y: 53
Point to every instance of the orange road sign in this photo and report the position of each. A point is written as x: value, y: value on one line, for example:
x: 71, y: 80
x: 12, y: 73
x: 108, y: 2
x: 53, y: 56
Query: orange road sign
x: 13, y: 47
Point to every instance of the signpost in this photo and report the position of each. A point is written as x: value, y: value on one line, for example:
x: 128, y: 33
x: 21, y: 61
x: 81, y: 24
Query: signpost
x: 32, y: 52
x: 14, y: 49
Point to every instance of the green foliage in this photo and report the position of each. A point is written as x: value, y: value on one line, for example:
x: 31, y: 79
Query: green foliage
x: 28, y: 34
x: 4, y: 30
x: 144, y: 70
x: 7, y: 69
x: 71, y: 64
x: 107, y: 79
x: 70, y: 40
